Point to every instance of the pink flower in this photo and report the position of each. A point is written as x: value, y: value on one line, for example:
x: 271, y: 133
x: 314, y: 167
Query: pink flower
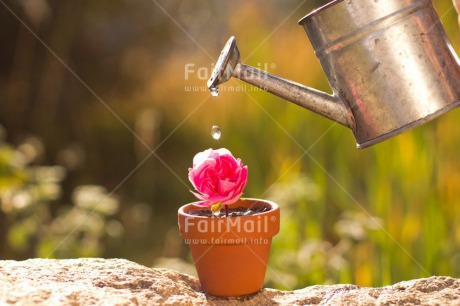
x: 218, y: 177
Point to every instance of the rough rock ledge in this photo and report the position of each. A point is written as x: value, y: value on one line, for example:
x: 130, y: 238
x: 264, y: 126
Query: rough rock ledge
x: 93, y: 281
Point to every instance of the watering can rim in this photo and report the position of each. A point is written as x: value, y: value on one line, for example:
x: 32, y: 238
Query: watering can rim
x: 318, y: 10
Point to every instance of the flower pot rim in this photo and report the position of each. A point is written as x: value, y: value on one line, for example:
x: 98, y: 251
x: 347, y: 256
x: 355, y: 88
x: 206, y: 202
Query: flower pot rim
x: 252, y: 227
x: 182, y: 210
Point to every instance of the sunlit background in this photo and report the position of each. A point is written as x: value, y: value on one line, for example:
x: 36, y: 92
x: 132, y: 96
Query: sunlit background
x: 103, y: 106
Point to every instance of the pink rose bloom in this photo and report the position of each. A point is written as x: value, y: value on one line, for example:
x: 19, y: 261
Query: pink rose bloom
x: 218, y: 177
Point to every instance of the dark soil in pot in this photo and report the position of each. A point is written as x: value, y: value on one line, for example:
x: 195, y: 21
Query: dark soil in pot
x: 232, y: 212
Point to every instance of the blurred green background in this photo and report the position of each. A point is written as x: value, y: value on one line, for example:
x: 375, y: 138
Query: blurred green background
x: 103, y: 106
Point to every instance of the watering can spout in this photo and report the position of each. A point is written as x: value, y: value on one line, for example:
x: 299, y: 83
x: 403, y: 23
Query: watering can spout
x: 229, y: 65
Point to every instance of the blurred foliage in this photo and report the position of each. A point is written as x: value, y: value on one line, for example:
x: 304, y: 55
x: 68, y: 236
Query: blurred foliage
x: 104, y: 86
x: 30, y: 224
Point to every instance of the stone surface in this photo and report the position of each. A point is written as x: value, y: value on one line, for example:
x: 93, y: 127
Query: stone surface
x: 91, y: 281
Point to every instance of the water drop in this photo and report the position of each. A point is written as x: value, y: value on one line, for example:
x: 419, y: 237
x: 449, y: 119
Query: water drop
x: 216, y: 132
x: 214, y: 91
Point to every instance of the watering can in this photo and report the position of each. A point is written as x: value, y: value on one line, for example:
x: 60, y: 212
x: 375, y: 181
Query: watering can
x: 389, y: 63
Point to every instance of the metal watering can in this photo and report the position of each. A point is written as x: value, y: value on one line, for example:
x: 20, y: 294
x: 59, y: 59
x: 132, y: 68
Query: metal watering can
x: 389, y: 62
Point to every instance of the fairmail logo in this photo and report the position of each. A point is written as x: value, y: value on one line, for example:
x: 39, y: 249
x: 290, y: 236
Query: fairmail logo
x: 226, y: 225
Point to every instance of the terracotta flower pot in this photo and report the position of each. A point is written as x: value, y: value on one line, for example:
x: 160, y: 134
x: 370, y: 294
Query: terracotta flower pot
x: 230, y: 254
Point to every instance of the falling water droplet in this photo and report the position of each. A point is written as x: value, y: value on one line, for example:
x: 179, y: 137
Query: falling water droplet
x: 216, y: 132
x: 214, y: 91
